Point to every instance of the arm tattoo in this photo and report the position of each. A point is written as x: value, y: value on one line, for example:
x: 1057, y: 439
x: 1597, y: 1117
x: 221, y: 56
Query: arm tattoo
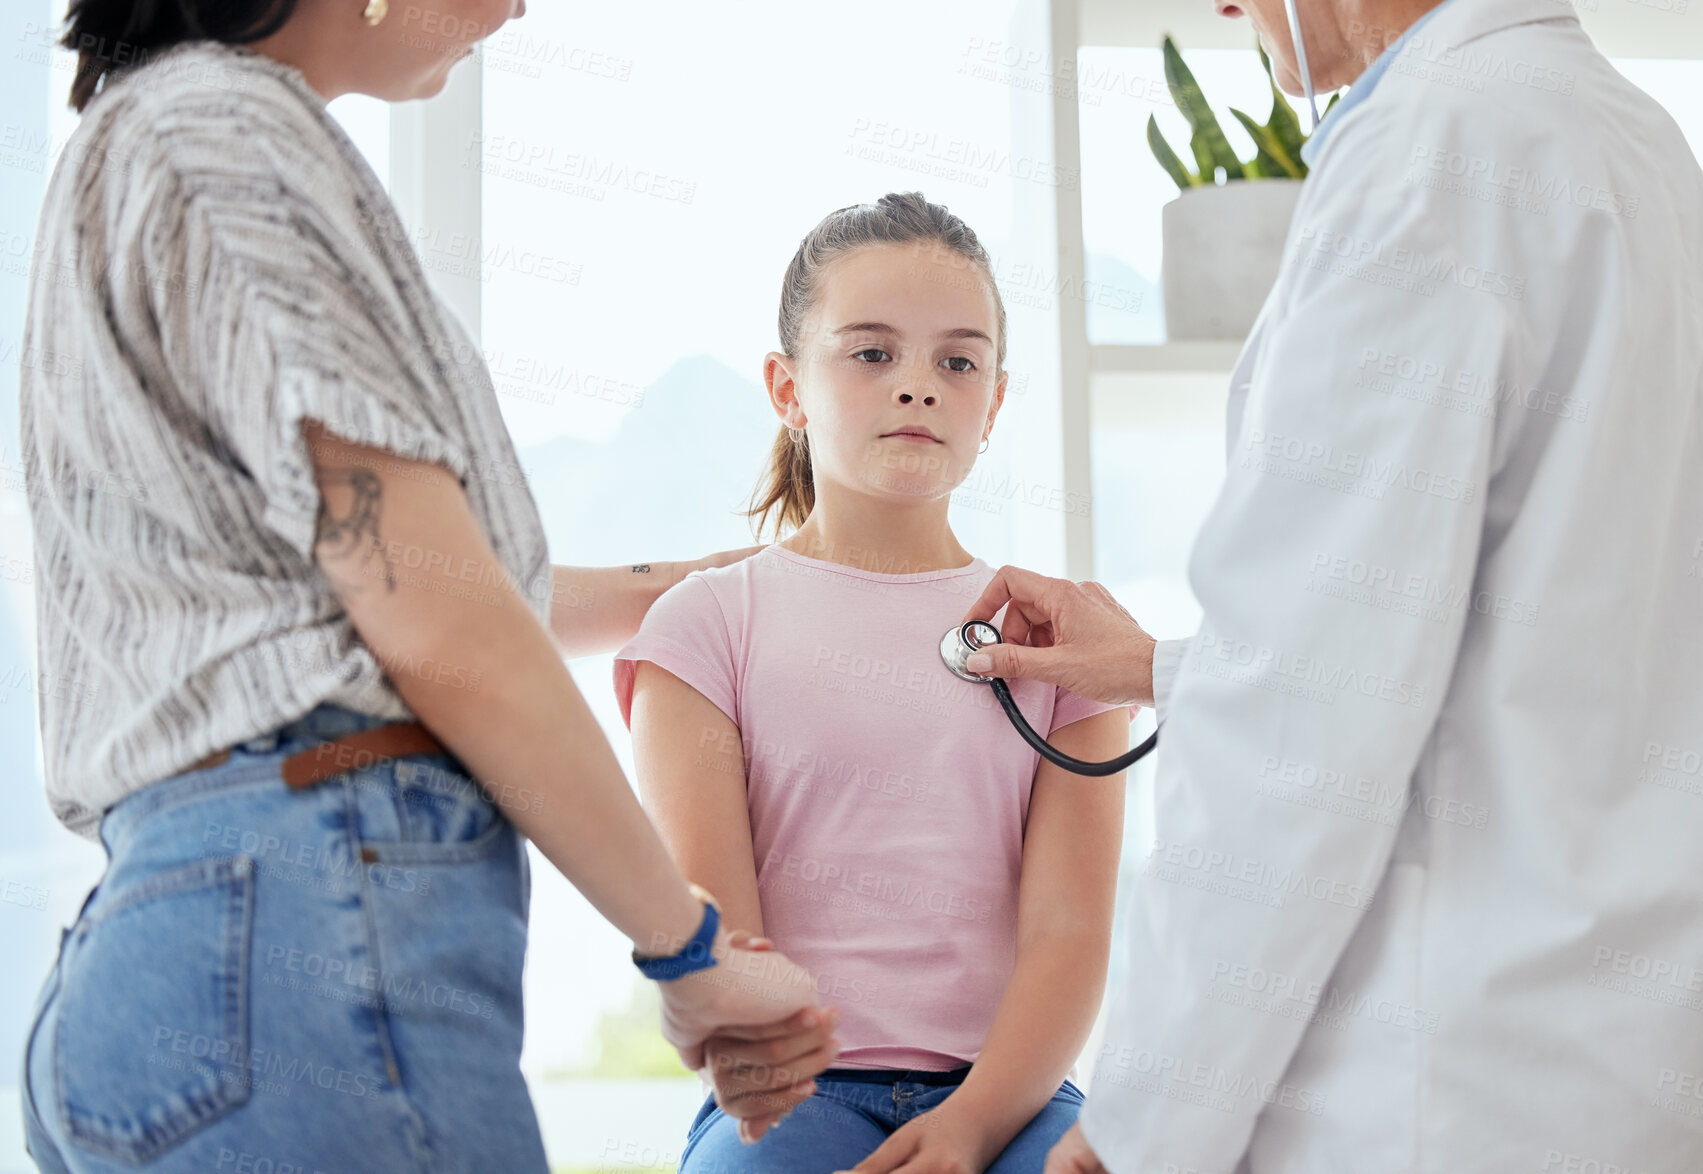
x: 347, y: 528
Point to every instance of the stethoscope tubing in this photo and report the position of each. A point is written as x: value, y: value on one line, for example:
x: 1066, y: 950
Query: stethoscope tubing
x: 971, y: 635
x: 1057, y: 757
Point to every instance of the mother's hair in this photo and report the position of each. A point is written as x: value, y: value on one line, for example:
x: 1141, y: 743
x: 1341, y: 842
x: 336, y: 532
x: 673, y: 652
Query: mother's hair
x: 111, y: 34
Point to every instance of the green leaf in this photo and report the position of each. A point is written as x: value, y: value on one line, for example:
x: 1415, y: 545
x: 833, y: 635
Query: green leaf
x: 1203, y: 159
x: 1185, y: 92
x: 1283, y: 121
x: 1182, y: 176
x: 1273, y: 160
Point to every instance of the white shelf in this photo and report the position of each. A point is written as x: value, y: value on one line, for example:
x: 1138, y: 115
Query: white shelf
x: 1165, y: 358
x: 1621, y: 28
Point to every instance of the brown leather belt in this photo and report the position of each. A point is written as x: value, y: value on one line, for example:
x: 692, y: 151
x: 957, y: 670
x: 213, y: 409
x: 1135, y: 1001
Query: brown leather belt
x: 363, y: 748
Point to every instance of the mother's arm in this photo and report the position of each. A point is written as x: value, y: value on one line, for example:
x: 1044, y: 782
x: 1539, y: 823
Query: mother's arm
x: 480, y: 672
x: 598, y: 609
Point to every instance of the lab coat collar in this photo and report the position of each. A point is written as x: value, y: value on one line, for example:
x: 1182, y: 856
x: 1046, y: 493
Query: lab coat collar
x: 1460, y: 21
x: 1445, y: 28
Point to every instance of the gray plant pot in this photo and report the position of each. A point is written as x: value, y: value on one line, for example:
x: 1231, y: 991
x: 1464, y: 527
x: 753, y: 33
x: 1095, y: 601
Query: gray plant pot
x: 1223, y: 245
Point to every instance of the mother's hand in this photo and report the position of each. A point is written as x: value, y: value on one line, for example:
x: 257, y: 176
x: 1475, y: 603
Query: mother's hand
x: 752, y: 1019
x: 1070, y: 634
x: 745, y: 986
x: 762, y: 1071
x: 721, y: 558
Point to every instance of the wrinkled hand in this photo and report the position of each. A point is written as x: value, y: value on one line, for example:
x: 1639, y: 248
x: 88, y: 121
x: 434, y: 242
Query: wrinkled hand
x: 938, y: 1142
x: 1070, y: 634
x: 1072, y: 1155
x: 761, y: 1073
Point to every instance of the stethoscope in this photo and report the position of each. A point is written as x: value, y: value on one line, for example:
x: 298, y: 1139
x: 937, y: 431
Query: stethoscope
x: 959, y: 642
x: 1301, y: 60
x: 955, y: 648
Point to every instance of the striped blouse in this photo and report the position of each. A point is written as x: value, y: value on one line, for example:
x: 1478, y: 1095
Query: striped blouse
x: 216, y: 262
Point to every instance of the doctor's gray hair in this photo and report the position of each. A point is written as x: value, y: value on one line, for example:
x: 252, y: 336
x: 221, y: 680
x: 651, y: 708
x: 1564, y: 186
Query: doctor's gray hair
x: 787, y: 488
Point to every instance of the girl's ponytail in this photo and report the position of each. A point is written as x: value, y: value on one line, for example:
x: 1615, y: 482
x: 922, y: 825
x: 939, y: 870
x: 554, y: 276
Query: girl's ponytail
x: 787, y: 488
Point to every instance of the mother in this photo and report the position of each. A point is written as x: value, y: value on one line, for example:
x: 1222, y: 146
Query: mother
x: 297, y: 612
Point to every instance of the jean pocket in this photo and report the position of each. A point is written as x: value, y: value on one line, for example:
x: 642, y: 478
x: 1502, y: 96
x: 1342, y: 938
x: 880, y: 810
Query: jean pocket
x: 440, y: 803
x: 441, y: 815
x: 152, y: 1041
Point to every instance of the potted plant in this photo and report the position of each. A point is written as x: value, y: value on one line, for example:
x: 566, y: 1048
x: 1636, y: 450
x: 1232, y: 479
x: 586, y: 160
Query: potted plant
x: 1223, y: 239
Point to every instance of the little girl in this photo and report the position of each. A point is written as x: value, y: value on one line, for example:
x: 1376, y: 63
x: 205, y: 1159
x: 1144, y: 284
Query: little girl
x: 810, y: 760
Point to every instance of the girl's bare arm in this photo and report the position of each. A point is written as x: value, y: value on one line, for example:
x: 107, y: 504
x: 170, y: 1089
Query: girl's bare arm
x: 1064, y: 928
x: 691, y: 776
x: 691, y: 770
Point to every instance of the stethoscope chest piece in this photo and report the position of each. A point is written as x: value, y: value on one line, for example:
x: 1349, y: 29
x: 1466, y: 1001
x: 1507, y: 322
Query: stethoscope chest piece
x: 955, y: 649
x: 959, y: 642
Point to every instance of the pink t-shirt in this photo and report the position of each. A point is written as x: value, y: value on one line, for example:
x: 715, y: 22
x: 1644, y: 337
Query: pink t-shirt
x: 887, y: 797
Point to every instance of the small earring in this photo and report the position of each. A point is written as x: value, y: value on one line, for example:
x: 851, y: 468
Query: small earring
x: 983, y: 448
x: 375, y: 11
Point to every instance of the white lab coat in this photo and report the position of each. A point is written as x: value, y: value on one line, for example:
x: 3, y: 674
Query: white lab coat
x: 1427, y: 887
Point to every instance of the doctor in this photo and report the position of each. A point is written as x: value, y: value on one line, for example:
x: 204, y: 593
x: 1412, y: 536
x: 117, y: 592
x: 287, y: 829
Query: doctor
x: 1426, y: 887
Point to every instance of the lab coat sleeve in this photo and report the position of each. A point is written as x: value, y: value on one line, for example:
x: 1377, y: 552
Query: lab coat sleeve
x: 1167, y: 655
x: 1334, y: 572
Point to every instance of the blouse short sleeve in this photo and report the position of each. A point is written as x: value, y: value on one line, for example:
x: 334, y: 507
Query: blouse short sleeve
x: 287, y: 312
x: 684, y: 632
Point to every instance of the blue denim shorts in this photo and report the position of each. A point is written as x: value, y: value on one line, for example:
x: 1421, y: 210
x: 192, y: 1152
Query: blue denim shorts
x: 853, y: 1111
x: 295, y: 981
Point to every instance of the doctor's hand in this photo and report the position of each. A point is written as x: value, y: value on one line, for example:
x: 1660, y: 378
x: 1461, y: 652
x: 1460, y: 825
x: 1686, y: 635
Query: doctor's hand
x: 1072, y: 1156
x: 1070, y: 634
x: 761, y: 1073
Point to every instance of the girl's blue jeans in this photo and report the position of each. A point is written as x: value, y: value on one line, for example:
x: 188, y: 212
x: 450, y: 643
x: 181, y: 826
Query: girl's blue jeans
x: 310, y: 981
x: 850, y: 1114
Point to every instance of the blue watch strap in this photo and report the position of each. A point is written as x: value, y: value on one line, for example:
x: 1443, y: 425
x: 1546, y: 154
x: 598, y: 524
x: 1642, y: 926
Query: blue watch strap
x: 695, y: 955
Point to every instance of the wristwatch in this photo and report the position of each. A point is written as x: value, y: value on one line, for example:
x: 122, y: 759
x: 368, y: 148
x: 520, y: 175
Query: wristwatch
x: 695, y: 954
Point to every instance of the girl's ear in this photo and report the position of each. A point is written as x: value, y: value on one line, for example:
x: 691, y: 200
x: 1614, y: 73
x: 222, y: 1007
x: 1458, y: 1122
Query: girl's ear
x: 780, y: 376
x: 998, y: 399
